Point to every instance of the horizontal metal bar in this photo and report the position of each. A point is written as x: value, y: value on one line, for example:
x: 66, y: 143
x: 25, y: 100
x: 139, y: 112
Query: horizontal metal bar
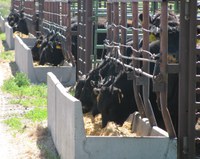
x: 173, y: 68
x: 197, y: 90
x: 197, y: 78
x: 197, y: 105
x: 197, y: 115
x: 111, y: 1
x: 99, y: 46
x: 198, y: 21
x: 197, y: 132
x: 197, y: 51
x: 101, y: 30
x: 101, y: 14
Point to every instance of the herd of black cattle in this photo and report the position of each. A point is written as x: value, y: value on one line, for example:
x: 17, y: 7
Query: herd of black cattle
x: 106, y: 89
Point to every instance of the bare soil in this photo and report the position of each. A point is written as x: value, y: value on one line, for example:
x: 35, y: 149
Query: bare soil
x: 35, y: 142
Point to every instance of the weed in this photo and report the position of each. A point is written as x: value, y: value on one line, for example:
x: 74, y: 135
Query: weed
x: 7, y: 55
x: 27, y: 94
x: 5, y: 7
x: 2, y: 36
x: 37, y: 114
x: 21, y: 79
x: 15, y: 124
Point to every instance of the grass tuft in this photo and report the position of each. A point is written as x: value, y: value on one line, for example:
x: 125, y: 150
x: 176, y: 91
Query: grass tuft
x: 2, y: 36
x: 15, y: 124
x: 7, y: 55
x: 27, y: 94
x: 37, y: 114
x: 5, y: 7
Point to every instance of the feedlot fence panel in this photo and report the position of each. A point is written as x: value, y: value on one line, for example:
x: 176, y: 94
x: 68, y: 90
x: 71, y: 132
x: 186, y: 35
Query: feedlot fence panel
x: 142, y: 58
x: 129, y: 27
x: 176, y: 87
x: 56, y: 17
x: 29, y: 8
x: 46, y: 16
x: 16, y: 5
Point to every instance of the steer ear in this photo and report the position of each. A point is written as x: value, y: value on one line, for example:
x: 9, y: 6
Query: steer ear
x: 119, y: 94
x: 140, y: 17
x: 92, y: 83
x: 96, y: 91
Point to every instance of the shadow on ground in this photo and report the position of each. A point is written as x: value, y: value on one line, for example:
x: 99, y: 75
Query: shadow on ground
x: 5, y: 45
x: 14, y: 67
x: 45, y: 143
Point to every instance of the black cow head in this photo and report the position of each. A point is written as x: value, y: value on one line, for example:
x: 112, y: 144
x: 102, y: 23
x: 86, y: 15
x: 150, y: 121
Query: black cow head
x: 109, y: 100
x: 36, y: 49
x: 87, y: 96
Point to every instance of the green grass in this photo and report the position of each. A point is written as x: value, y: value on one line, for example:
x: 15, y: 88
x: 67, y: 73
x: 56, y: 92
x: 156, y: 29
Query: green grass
x: 28, y: 102
x: 72, y: 92
x: 37, y: 114
x: 27, y: 94
x: 7, y: 55
x: 5, y: 7
x: 15, y: 124
x: 2, y: 36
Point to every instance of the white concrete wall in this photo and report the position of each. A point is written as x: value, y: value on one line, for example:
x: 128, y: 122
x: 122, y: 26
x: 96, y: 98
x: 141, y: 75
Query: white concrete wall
x: 38, y: 74
x: 2, y: 24
x: 9, y: 36
x: 65, y: 121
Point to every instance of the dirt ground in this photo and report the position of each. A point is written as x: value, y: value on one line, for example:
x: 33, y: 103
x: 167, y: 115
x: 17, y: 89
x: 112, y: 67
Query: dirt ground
x: 35, y: 142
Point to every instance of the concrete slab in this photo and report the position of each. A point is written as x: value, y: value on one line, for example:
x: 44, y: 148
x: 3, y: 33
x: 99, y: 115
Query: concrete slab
x: 72, y: 143
x: 9, y: 36
x: 38, y: 74
x: 2, y: 24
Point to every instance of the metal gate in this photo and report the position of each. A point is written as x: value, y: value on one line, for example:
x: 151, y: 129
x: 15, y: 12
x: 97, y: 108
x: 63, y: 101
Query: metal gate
x: 189, y: 103
x: 29, y: 8
x: 84, y: 36
x: 16, y: 5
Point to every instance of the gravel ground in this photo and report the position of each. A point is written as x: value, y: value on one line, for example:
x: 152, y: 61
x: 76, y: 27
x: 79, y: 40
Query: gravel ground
x: 35, y: 142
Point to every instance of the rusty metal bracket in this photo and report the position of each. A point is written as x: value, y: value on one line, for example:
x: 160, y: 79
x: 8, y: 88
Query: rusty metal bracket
x: 158, y: 83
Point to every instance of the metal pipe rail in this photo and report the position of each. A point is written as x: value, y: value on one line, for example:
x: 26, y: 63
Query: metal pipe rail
x: 115, y: 28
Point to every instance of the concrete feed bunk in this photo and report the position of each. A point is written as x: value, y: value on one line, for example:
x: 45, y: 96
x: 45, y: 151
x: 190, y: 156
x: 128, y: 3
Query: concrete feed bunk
x: 9, y: 36
x: 38, y: 74
x: 65, y: 122
x: 2, y: 24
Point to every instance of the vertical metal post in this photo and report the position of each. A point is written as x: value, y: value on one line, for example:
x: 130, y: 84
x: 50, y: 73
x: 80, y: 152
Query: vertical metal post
x: 183, y: 82
x: 116, y: 21
x: 79, y: 31
x: 109, y: 20
x: 41, y: 14
x: 82, y: 38
x: 163, y: 69
x: 192, y: 79
x: 123, y: 23
x: 69, y: 35
x: 89, y: 35
x: 147, y: 104
x: 136, y: 88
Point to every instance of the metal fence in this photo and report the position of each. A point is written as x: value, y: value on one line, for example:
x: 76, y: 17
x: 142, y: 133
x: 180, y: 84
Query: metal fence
x: 122, y: 23
x: 30, y: 14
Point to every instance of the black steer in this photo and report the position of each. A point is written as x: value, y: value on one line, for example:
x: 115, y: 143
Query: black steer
x: 84, y: 88
x: 52, y: 54
x: 116, y: 102
x: 17, y: 21
x: 173, y: 55
x: 35, y: 50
